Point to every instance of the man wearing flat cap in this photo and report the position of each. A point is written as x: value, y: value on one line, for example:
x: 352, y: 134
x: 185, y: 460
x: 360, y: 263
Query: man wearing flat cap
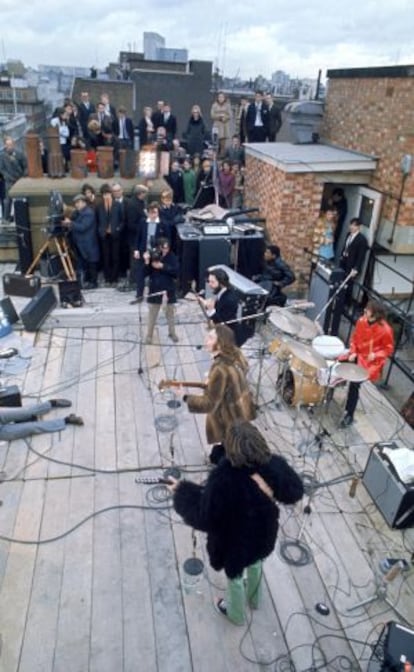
x: 82, y: 225
x: 134, y: 213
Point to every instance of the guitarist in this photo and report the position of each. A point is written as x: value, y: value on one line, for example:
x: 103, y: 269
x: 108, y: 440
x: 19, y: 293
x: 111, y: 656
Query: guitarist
x: 223, y: 307
x: 226, y: 397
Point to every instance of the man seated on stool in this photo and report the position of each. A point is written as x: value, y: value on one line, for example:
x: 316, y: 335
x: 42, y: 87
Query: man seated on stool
x: 275, y: 275
x: 22, y: 421
x: 371, y: 344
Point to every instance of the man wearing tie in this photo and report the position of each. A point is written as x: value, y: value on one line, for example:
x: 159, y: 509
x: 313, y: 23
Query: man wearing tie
x: 257, y: 119
x: 85, y: 108
x: 124, y: 130
x: 353, y: 254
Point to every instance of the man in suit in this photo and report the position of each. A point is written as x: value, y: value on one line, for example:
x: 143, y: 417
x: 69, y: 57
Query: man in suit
x: 123, y: 130
x: 351, y: 261
x: 275, y: 118
x: 135, y: 213
x: 157, y: 116
x: 353, y: 254
x: 85, y: 108
x: 257, y: 119
x: 149, y: 230
x: 169, y: 122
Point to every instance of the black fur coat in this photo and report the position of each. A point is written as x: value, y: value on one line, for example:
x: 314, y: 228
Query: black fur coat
x: 241, y: 521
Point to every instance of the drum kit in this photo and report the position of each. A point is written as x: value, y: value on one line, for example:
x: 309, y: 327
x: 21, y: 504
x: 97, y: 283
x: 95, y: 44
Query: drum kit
x: 307, y: 360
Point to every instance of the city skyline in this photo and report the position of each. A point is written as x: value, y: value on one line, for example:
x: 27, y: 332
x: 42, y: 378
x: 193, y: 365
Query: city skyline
x: 298, y: 39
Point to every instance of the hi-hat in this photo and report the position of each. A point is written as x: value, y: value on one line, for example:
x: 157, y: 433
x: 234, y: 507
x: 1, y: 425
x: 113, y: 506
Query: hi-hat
x: 283, y: 321
x: 307, y: 354
x: 351, y: 372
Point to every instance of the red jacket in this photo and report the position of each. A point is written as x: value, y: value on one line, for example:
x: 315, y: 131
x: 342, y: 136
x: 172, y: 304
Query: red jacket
x: 376, y: 338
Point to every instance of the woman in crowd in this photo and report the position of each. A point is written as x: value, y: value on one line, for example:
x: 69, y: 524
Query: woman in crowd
x: 146, y: 127
x: 237, y: 509
x: 221, y: 116
x: 227, y: 181
x: 196, y: 133
x: 61, y: 123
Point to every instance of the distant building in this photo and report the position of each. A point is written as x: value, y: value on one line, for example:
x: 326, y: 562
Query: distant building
x: 16, y: 97
x: 155, y: 50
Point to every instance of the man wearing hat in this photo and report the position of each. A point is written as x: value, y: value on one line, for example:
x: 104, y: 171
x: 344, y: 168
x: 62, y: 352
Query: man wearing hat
x: 82, y: 225
x: 134, y: 213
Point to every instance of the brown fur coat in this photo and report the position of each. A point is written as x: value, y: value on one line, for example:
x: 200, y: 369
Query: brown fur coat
x: 226, y: 398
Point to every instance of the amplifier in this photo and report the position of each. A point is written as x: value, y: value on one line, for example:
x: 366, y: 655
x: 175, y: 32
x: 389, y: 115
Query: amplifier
x: 394, y: 499
x: 10, y: 396
x: 394, y: 641
x: 20, y: 285
x: 37, y: 310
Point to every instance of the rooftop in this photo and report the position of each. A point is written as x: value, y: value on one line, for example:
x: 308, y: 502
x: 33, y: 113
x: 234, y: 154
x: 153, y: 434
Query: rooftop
x: 91, y: 562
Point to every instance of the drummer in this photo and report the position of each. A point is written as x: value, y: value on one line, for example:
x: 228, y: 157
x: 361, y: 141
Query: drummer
x: 371, y: 344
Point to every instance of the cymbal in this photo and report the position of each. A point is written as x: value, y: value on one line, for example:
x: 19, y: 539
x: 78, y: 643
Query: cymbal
x: 307, y: 329
x: 283, y: 321
x: 307, y: 354
x: 351, y: 372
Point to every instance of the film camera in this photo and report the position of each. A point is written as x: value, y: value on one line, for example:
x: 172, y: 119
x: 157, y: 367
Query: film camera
x: 55, y: 214
x: 155, y: 254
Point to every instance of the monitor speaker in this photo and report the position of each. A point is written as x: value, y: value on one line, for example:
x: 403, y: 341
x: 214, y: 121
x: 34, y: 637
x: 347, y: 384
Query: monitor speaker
x: 34, y: 314
x: 9, y: 310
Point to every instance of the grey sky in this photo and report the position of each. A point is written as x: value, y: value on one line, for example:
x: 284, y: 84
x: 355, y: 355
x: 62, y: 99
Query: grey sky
x: 250, y: 38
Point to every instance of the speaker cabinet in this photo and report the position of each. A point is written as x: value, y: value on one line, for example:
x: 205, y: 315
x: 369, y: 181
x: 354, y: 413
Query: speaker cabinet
x: 18, y: 285
x: 212, y: 252
x: 9, y: 310
x: 24, y: 233
x: 394, y: 499
x: 395, y: 640
x: 34, y: 314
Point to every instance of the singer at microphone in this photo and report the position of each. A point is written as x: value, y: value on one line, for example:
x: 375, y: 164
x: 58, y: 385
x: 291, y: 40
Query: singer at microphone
x: 275, y: 275
x: 162, y: 269
x: 223, y: 307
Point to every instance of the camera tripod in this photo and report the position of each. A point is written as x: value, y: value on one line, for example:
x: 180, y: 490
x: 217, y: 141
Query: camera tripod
x: 62, y: 249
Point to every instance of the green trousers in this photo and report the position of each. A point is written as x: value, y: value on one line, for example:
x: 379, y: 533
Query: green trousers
x: 240, y: 591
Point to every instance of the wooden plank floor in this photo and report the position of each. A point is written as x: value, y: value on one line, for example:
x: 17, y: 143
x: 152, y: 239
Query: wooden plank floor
x: 91, y: 562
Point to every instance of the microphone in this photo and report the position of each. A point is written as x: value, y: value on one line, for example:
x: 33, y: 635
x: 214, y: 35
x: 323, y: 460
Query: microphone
x: 302, y: 305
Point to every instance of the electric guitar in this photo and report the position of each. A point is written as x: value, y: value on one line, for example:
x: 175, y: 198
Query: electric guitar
x: 180, y: 383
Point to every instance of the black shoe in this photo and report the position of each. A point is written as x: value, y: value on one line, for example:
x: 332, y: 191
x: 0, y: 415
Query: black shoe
x: 60, y: 403
x: 346, y: 421
x: 73, y: 419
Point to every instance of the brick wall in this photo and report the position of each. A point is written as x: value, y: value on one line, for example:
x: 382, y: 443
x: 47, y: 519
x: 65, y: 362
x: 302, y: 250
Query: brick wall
x: 290, y: 202
x: 375, y: 115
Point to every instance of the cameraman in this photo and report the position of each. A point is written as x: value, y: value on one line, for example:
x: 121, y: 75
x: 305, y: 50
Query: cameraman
x: 162, y: 267
x: 82, y: 225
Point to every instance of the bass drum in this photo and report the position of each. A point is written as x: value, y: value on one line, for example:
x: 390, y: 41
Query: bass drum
x: 298, y: 388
